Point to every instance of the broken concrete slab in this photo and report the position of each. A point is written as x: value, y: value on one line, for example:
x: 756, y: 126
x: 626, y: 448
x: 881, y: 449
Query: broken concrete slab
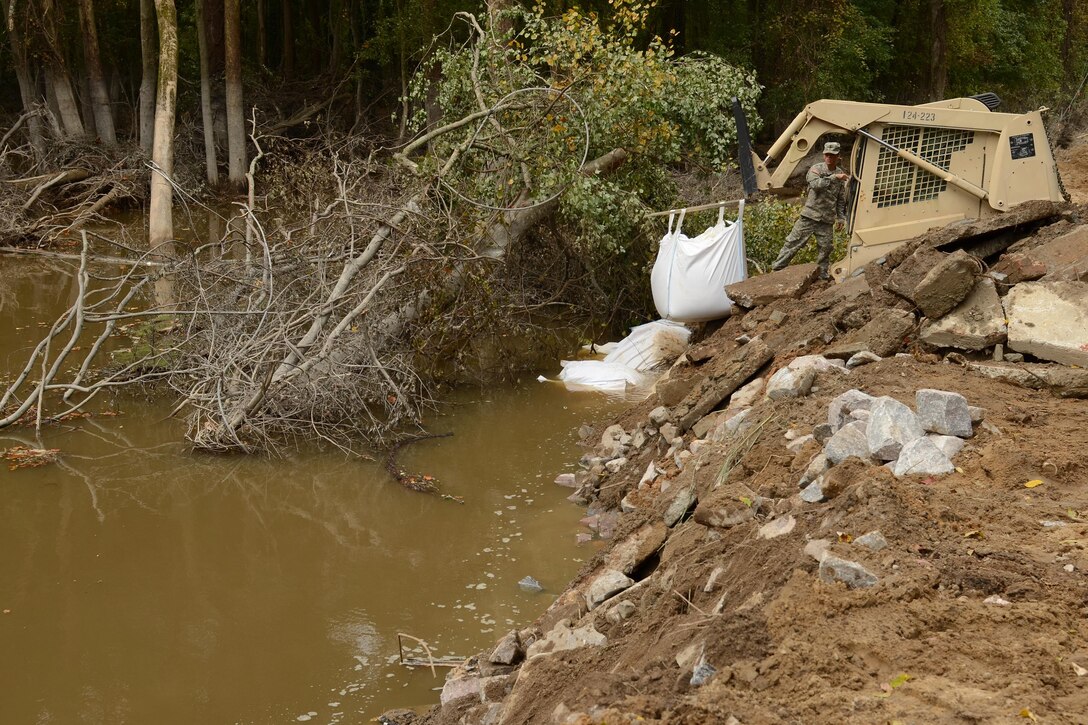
x: 764, y: 289
x: 737, y: 368
x: 911, y: 271
x: 946, y: 284
x: 1018, y: 267
x: 1050, y: 321
x: 626, y: 556
x: 1062, y: 381
x: 1066, y: 258
x: 976, y: 323
x: 884, y: 335
x: 607, y: 584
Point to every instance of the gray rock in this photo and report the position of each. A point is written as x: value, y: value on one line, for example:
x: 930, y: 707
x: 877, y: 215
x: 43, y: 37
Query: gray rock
x: 623, y: 610
x: 563, y: 637
x: 1014, y: 357
x: 702, y: 674
x: 747, y: 395
x: 815, y: 468
x: 709, y: 422
x: 459, y: 685
x: 977, y: 414
x: 615, y: 464
x: 862, y: 358
x: 567, y: 480
x: 1049, y: 320
x: 999, y: 352
x: 626, y: 506
x: 874, y: 541
x: 668, y: 431
x: 823, y: 433
x: 841, y: 407
x: 949, y: 445
x: 508, y: 651
x: 818, y: 548
x: 531, y: 585
x: 679, y: 506
x: 608, y: 583
x: 797, y: 444
x: 922, y: 457
x: 849, y: 442
x: 975, y: 324
x: 660, y: 415
x: 943, y: 412
x: 638, y: 439
x: 850, y: 573
x: 738, y: 422
x: 891, y: 426
x: 787, y: 383
x: 814, y: 492
x: 777, y: 527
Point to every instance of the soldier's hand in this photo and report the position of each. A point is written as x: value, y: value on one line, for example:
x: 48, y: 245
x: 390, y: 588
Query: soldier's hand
x: 841, y: 176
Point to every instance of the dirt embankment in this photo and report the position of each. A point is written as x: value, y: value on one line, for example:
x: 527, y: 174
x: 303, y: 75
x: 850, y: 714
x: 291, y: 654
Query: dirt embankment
x: 802, y: 539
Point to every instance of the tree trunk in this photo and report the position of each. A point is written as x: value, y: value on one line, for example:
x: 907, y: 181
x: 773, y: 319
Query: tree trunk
x: 938, y: 56
x: 67, y: 106
x: 57, y: 73
x: 236, y: 125
x: 149, y: 77
x: 161, y: 223
x: 87, y: 109
x: 288, y: 42
x: 100, y: 95
x: 262, y: 33
x: 206, y: 115
x: 27, y: 88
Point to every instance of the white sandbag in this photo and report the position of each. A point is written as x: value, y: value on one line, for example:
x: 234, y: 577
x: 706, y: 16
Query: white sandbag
x: 690, y: 274
x: 651, y: 346
x: 600, y: 375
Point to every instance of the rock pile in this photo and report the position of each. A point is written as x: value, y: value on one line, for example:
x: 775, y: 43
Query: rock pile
x: 882, y: 430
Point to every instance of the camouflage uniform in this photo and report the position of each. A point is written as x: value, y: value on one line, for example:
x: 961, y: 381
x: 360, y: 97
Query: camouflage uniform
x: 826, y: 201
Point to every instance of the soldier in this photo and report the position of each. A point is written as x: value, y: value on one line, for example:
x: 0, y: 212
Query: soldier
x: 825, y: 204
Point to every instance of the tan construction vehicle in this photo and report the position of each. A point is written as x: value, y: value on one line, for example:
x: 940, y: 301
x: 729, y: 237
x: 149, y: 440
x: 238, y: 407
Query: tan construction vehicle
x: 914, y: 168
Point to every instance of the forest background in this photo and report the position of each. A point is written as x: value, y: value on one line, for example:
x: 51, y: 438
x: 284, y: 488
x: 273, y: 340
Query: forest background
x: 406, y: 177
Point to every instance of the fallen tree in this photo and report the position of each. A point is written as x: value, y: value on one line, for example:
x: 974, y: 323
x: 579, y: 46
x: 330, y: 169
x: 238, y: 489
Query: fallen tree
x: 334, y: 327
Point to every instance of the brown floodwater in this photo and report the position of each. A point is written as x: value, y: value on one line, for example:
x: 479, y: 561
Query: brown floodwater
x: 143, y: 583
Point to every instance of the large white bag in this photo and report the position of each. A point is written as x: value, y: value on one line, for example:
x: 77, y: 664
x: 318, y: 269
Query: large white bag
x: 690, y: 274
x: 651, y: 346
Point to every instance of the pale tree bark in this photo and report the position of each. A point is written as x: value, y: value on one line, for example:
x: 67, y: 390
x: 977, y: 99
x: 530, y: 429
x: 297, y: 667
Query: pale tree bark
x: 149, y: 79
x: 236, y: 125
x: 27, y: 88
x: 206, y: 114
x: 56, y: 73
x: 161, y: 222
x: 100, y: 95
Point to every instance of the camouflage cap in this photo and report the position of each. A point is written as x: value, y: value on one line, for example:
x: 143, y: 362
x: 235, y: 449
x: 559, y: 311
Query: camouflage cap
x: 832, y: 147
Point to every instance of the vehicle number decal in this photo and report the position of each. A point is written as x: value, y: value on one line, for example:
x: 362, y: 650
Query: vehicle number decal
x: 919, y: 116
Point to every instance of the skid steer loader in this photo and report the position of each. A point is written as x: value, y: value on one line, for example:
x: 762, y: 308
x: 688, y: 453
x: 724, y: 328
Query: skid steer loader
x: 914, y: 168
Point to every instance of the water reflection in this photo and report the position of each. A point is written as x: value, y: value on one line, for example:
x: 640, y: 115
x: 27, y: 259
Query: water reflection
x: 149, y: 584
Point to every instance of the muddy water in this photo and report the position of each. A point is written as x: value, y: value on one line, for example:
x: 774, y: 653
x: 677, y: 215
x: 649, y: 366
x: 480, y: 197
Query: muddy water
x: 142, y: 583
